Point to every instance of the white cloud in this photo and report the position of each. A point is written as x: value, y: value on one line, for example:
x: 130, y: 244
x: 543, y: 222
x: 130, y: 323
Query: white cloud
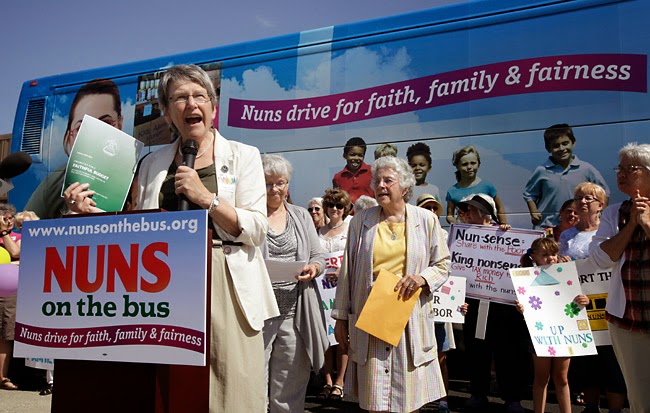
x: 265, y: 22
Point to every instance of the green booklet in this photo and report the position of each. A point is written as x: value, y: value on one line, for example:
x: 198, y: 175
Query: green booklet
x: 106, y: 158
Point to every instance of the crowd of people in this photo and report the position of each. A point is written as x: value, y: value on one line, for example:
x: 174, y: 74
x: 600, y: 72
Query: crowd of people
x: 267, y: 338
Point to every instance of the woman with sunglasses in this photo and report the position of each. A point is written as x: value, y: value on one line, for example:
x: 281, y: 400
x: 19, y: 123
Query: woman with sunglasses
x: 621, y: 242
x: 333, y: 238
x: 315, y: 209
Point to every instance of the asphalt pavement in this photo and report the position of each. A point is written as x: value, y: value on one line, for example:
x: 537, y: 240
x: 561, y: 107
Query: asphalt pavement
x: 30, y: 402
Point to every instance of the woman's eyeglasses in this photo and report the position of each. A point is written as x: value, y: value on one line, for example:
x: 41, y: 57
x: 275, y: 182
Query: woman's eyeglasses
x: 335, y: 205
x: 587, y: 198
x: 312, y: 209
x: 199, y: 99
x: 628, y: 170
x: 280, y: 185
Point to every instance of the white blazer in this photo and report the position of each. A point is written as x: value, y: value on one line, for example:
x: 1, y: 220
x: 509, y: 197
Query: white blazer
x: 241, y: 183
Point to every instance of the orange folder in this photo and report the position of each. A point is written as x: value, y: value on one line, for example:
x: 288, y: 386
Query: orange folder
x: 385, y: 315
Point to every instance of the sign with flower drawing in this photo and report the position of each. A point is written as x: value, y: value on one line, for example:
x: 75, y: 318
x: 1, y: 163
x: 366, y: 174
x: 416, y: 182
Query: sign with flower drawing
x: 558, y: 326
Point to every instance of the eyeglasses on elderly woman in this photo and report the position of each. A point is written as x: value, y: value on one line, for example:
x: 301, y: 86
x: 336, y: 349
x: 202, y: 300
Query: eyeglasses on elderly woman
x: 280, y: 185
x: 628, y: 170
x: 587, y: 198
x: 199, y: 98
x: 312, y: 209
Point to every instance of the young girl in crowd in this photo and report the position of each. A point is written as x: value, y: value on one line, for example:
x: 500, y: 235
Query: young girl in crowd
x: 467, y: 161
x: 544, y: 251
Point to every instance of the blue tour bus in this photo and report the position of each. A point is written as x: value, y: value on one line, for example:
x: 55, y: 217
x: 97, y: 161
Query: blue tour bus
x: 489, y: 74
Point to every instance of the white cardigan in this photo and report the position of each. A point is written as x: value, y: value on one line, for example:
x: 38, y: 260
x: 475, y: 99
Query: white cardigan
x: 240, y: 183
x: 607, y: 229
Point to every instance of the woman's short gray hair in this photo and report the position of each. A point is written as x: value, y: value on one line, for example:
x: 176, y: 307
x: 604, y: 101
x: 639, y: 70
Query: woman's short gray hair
x: 403, y: 170
x: 364, y: 202
x: 639, y: 153
x: 191, y: 73
x: 277, y: 165
x: 316, y: 200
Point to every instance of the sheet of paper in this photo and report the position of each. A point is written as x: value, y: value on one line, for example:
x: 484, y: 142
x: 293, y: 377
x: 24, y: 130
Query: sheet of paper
x: 284, y: 271
x: 384, y: 314
x: 106, y: 158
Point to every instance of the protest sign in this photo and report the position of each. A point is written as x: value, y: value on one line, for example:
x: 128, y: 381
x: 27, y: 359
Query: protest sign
x: 448, y: 299
x: 557, y: 325
x: 483, y: 254
x: 595, y: 285
x: 327, y: 290
x: 114, y: 288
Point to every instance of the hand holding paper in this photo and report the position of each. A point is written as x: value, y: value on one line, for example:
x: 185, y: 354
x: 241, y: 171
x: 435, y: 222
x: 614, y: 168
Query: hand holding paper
x: 78, y: 197
x: 104, y: 158
x: 386, y: 313
x: 408, y: 285
x: 309, y: 272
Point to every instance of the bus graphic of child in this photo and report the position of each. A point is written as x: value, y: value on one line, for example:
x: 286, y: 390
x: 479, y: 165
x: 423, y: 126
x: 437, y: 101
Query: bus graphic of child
x: 467, y: 162
x: 554, y: 181
x: 356, y: 176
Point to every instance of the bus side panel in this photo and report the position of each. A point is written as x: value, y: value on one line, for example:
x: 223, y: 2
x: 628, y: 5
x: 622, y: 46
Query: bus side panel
x: 496, y: 86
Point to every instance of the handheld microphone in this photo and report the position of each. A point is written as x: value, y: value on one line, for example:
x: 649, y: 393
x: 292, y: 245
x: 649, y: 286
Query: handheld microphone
x: 189, y: 150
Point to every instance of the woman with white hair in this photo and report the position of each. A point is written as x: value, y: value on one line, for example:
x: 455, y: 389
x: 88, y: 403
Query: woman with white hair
x: 622, y: 242
x: 317, y: 212
x: 364, y: 202
x: 295, y: 341
x: 227, y: 182
x: 408, y: 241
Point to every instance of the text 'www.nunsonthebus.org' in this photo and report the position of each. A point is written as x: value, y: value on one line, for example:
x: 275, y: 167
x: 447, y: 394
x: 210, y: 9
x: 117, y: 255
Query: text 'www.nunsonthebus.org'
x: 125, y: 225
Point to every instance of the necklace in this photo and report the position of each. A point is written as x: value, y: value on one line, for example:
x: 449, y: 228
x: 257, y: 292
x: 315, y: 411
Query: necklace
x: 200, y: 154
x: 339, y: 225
x: 392, y: 230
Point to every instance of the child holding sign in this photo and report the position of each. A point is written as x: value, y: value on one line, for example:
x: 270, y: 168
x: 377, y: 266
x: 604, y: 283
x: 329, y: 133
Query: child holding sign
x: 544, y: 251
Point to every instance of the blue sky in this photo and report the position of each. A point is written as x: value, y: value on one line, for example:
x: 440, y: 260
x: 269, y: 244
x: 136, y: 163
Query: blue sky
x: 40, y: 38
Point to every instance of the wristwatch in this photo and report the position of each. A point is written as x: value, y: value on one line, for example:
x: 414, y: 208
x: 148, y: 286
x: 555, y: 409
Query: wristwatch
x: 214, y: 204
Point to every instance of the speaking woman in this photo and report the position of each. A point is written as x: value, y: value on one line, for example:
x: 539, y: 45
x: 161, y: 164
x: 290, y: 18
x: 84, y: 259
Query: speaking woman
x: 227, y: 180
x: 406, y: 240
